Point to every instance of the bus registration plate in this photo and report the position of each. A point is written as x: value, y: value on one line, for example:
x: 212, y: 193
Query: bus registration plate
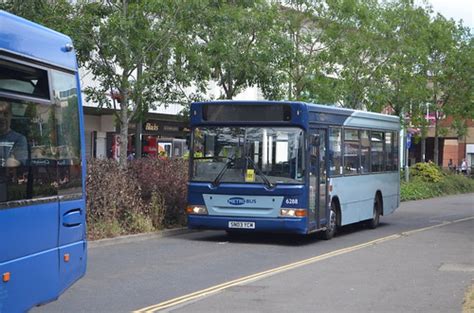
x: 245, y: 225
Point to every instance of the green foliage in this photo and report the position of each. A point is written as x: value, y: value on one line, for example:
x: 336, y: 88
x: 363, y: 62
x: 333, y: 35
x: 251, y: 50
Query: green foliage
x: 428, y: 172
x: 237, y: 46
x: 419, y: 188
x: 55, y: 14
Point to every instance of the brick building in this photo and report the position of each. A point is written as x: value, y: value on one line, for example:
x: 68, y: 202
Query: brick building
x: 450, y: 146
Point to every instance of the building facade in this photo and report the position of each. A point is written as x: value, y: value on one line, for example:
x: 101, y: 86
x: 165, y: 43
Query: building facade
x: 451, y: 147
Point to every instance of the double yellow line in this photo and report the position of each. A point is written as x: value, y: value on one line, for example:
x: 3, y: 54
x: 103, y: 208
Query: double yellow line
x: 284, y: 268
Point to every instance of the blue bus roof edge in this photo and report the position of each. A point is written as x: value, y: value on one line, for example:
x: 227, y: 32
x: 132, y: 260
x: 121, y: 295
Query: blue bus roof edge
x: 309, y: 106
x: 22, y: 37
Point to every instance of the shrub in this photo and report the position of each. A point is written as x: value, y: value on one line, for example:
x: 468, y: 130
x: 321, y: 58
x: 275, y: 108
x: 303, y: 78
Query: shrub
x: 113, y: 198
x: 167, y: 179
x: 428, y: 172
x: 157, y: 209
x: 418, y: 188
x: 150, y: 194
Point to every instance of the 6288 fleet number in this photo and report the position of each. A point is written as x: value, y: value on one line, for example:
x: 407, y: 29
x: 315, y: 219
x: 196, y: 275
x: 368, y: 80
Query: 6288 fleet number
x: 291, y: 201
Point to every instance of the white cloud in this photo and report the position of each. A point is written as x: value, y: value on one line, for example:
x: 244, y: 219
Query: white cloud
x: 455, y: 9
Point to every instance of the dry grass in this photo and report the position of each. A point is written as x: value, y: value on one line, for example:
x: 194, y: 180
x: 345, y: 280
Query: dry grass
x: 468, y: 306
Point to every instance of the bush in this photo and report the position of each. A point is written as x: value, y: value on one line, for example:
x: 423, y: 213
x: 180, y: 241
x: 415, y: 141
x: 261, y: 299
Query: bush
x: 418, y: 188
x: 428, y: 172
x: 166, y: 179
x: 150, y: 194
x: 113, y: 198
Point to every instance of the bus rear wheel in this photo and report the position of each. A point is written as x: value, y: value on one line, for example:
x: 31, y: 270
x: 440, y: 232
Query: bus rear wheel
x: 374, y: 222
x: 331, y: 227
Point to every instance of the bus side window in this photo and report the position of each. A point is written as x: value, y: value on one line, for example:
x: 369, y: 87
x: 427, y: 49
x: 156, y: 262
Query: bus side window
x: 335, y: 156
x: 351, y: 151
x: 377, y: 151
x: 388, y: 152
x: 69, y: 163
x: 395, y: 151
x: 364, y: 151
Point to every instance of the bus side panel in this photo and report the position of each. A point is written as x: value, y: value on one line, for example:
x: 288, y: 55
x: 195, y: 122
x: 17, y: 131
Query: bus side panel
x: 356, y: 195
x: 28, y: 251
x: 75, y: 266
x: 33, y: 280
x: 72, y: 221
x: 72, y: 244
x: 28, y: 230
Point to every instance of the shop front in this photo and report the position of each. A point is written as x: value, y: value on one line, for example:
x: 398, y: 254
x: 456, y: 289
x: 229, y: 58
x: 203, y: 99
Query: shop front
x: 158, y: 138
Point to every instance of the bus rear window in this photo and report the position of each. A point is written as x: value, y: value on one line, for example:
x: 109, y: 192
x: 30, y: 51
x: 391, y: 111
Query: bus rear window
x: 252, y: 113
x: 23, y: 80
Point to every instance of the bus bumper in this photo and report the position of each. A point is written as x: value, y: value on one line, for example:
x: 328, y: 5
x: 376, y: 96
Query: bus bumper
x: 273, y: 225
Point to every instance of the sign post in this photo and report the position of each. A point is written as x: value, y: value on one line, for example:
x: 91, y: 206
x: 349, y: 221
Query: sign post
x: 407, y: 149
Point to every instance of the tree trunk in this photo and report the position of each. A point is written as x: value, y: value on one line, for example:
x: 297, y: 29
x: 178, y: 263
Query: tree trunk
x: 123, y: 131
x: 436, y: 142
x: 139, y: 121
x: 423, y: 149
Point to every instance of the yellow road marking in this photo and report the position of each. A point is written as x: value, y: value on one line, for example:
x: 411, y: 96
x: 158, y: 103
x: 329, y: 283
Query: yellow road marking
x: 284, y: 268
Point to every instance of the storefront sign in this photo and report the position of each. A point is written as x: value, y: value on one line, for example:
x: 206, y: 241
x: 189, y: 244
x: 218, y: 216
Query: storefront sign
x: 170, y: 128
x: 151, y: 126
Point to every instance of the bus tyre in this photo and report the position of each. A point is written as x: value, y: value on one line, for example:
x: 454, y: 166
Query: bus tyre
x: 331, y: 228
x: 374, y: 222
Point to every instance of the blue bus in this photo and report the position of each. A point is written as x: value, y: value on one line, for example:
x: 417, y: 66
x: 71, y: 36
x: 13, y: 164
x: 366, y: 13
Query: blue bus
x: 290, y: 167
x: 42, y: 164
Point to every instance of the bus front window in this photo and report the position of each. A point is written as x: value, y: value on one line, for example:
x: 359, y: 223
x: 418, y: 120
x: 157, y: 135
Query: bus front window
x: 275, y: 154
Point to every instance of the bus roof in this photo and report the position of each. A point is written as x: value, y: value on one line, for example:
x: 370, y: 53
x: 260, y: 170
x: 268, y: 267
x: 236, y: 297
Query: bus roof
x: 328, y: 114
x: 33, y: 41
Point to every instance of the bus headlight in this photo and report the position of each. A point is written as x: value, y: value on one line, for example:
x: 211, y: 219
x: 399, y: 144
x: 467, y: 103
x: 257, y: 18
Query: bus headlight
x: 196, y: 209
x: 293, y: 212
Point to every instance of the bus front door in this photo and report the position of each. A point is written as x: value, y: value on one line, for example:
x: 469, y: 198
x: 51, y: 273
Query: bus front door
x: 318, y: 176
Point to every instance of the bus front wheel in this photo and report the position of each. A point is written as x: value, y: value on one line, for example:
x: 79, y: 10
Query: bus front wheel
x: 331, y: 227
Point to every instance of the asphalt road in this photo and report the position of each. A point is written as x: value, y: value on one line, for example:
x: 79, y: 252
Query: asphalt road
x: 422, y: 260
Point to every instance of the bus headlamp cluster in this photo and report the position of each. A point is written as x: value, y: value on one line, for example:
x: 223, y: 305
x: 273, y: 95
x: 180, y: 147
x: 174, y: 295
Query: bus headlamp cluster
x: 196, y: 209
x: 293, y: 212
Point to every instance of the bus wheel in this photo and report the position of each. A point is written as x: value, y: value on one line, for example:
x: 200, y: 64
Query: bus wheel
x: 374, y: 222
x: 332, y: 225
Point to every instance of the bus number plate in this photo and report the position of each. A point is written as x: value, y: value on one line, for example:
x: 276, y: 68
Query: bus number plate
x: 245, y: 225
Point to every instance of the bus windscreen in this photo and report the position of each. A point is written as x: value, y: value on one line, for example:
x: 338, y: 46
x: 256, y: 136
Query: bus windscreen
x: 252, y: 113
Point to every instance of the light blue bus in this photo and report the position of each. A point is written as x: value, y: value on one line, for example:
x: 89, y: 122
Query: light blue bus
x: 42, y: 165
x: 290, y: 167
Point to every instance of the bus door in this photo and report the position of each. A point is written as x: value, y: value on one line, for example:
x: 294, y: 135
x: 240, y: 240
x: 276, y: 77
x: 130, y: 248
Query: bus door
x: 318, y: 175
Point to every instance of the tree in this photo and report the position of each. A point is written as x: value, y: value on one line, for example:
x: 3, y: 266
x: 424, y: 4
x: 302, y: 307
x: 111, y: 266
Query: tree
x: 308, y: 64
x: 235, y: 43
x: 404, y: 30
x: 116, y: 39
x: 448, y: 95
x: 55, y: 14
x: 458, y: 97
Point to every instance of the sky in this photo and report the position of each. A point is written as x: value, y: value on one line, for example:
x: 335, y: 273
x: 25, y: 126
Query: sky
x: 456, y: 9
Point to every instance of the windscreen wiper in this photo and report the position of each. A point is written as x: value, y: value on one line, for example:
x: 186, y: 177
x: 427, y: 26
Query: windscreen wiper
x: 260, y: 173
x: 228, y: 164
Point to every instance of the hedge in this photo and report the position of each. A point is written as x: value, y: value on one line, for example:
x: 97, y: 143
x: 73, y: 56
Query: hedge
x: 149, y: 195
